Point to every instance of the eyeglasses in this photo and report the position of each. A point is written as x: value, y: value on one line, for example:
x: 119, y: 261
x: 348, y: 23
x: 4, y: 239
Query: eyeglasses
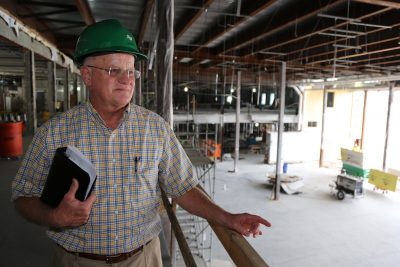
x: 117, y: 72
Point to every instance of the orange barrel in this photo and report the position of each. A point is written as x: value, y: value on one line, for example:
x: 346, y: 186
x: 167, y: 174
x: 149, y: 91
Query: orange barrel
x: 11, y: 139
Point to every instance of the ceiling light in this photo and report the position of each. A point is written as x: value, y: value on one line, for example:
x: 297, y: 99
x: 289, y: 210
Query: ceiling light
x: 331, y: 79
x: 317, y: 80
x: 185, y: 60
x: 205, y: 61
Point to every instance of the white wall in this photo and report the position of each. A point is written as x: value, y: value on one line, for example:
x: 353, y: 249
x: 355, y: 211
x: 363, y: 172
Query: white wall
x: 296, y: 146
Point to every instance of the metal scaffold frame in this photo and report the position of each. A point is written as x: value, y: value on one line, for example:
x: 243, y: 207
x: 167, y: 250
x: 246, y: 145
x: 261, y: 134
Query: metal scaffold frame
x: 197, y: 231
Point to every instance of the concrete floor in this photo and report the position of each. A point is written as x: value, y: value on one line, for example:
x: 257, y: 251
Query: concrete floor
x: 309, y: 229
x: 312, y: 228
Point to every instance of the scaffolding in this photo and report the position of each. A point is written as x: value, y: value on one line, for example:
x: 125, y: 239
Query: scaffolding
x: 197, y: 231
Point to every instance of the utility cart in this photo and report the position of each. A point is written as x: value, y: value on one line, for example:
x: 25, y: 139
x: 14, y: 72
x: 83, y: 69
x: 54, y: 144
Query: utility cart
x: 347, y: 184
x: 350, y: 180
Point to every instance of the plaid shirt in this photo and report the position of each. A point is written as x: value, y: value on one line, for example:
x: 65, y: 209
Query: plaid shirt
x: 132, y: 161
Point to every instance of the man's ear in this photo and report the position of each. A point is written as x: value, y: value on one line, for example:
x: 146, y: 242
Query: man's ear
x: 86, y: 75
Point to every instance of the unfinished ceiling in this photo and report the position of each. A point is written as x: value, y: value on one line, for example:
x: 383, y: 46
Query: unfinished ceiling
x: 317, y: 39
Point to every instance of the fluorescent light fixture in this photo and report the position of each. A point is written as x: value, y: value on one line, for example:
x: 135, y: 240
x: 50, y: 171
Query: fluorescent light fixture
x: 357, y: 84
x: 370, y: 81
x: 185, y: 60
x: 371, y: 25
x: 317, y: 80
x: 336, y: 17
x: 331, y: 79
x: 205, y: 61
x: 307, y: 87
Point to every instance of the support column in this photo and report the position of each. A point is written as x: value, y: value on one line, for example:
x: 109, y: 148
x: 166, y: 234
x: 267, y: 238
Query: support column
x: 51, y: 87
x: 280, y: 132
x: 165, y: 51
x: 258, y: 89
x: 75, y: 98
x: 30, y: 92
x: 364, y: 118
x: 321, y: 153
x: 66, y: 102
x: 138, y: 87
x: 83, y: 91
x: 164, y: 56
x: 387, y: 139
x: 237, y: 134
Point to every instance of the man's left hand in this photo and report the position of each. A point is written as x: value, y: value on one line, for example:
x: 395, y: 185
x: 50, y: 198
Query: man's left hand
x: 247, y: 224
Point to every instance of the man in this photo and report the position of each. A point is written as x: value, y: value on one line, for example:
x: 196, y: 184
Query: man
x: 135, y: 153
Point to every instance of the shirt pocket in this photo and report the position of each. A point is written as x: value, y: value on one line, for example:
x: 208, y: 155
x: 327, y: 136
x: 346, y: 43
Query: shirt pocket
x: 145, y: 186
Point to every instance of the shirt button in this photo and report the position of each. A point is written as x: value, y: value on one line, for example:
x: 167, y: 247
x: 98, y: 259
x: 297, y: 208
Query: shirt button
x: 116, y: 237
x: 116, y: 211
x: 113, y: 135
x: 115, y: 185
x: 114, y: 160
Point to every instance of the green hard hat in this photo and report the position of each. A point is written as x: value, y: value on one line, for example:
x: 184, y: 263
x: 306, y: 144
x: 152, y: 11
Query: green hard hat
x: 103, y: 37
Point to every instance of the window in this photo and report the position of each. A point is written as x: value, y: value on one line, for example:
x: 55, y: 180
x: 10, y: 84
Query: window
x: 312, y: 124
x: 330, y: 99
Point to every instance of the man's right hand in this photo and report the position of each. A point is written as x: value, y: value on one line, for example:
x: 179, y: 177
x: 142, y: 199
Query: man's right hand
x: 72, y: 212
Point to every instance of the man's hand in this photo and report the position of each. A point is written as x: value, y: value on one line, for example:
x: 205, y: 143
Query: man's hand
x: 72, y: 212
x: 247, y: 224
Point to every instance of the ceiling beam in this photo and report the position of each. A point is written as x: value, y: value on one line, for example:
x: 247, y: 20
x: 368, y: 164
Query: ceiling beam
x: 262, y: 34
x: 85, y: 11
x: 190, y: 20
x: 241, y: 20
x: 144, y: 21
x: 39, y: 14
x: 11, y: 7
x: 293, y: 52
x: 380, y: 3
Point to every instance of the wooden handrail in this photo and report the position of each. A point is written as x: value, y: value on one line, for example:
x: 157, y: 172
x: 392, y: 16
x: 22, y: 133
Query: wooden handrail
x: 238, y: 248
x: 240, y: 251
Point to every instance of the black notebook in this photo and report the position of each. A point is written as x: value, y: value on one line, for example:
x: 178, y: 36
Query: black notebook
x: 68, y: 163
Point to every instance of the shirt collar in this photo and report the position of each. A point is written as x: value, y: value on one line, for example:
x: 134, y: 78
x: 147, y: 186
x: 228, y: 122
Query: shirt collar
x: 100, y: 120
